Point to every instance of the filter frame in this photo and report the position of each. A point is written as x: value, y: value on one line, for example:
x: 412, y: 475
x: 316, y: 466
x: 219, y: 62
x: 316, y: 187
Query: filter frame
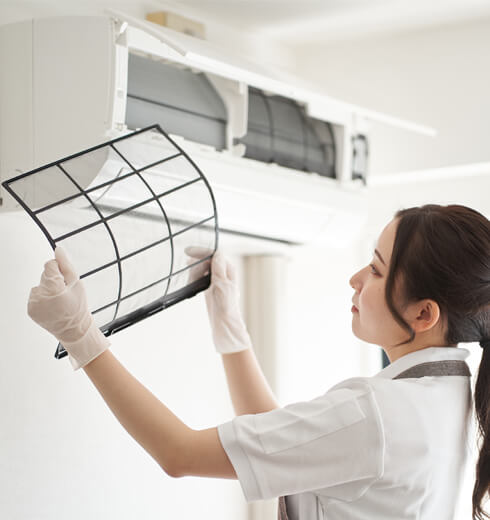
x: 188, y: 291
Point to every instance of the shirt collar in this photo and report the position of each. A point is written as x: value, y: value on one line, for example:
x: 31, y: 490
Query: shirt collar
x: 421, y: 356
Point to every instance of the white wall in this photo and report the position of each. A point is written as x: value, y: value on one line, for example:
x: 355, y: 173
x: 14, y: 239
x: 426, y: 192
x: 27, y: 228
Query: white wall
x: 320, y: 349
x: 233, y: 37
x: 438, y: 77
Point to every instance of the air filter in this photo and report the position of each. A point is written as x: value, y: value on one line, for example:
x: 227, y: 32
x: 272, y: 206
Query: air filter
x: 125, y: 212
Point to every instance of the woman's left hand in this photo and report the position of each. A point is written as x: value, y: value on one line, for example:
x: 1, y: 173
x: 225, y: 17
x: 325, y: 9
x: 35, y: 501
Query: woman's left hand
x: 59, y: 305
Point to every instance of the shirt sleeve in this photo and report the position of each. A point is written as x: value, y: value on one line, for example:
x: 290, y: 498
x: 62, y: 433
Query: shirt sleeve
x: 332, y: 445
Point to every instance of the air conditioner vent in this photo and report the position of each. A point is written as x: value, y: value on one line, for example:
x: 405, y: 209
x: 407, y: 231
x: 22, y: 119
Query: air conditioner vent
x: 179, y: 100
x: 280, y: 131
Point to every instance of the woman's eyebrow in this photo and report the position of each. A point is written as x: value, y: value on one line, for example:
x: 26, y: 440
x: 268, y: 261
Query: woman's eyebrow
x: 380, y: 257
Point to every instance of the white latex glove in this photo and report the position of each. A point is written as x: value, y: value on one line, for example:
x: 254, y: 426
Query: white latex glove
x: 222, y: 301
x: 59, y: 305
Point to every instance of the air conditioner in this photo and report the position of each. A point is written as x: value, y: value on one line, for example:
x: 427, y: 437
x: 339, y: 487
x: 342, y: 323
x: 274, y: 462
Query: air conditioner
x: 282, y: 161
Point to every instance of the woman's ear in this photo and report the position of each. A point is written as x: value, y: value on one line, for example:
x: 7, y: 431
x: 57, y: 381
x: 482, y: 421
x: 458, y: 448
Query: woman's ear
x: 423, y: 315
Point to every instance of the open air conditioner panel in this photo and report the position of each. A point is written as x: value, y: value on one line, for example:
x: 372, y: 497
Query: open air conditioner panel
x: 125, y: 212
x: 187, y: 104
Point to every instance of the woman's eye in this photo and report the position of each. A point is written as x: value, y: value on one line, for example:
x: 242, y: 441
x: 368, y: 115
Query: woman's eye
x: 374, y: 271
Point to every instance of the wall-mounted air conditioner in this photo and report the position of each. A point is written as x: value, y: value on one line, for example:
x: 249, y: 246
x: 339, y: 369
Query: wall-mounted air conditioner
x: 287, y: 166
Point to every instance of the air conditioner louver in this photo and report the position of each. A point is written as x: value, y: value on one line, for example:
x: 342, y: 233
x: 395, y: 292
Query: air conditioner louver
x: 179, y: 100
x: 279, y: 131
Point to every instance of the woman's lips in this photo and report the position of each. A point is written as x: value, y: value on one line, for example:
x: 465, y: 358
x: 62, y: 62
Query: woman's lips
x: 354, y: 309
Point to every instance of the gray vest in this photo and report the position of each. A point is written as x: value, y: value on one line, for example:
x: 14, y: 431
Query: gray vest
x: 450, y: 367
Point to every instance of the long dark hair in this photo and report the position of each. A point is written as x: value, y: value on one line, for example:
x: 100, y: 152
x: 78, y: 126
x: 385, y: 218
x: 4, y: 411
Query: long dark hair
x: 448, y: 261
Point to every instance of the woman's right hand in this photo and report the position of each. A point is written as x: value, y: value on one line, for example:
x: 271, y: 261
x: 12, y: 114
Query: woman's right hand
x: 222, y: 301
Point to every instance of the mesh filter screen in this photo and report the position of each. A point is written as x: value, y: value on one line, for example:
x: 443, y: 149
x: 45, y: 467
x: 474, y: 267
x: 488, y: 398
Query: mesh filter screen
x: 125, y: 211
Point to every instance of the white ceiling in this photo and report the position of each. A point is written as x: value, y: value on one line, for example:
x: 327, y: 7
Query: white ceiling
x: 308, y: 21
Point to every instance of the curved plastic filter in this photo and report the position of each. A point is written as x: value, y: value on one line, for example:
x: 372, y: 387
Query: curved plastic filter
x: 125, y: 212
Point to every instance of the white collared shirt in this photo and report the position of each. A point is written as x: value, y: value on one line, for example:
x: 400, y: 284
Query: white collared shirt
x: 369, y: 448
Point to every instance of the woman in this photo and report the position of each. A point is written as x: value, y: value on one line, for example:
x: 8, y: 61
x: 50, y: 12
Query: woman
x: 383, y: 447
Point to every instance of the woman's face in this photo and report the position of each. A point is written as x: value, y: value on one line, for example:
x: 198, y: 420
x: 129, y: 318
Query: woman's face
x: 373, y: 322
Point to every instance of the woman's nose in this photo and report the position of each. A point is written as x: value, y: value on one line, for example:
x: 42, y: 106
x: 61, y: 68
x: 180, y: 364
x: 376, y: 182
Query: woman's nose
x: 352, y: 281
x: 355, y: 280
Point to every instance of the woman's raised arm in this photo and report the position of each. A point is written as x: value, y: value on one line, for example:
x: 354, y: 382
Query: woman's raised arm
x: 249, y: 390
x: 178, y: 449
x: 59, y: 305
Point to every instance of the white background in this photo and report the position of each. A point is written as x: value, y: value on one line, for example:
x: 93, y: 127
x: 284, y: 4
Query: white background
x: 62, y: 453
